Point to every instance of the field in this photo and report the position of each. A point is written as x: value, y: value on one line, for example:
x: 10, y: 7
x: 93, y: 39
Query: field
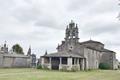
x: 34, y: 74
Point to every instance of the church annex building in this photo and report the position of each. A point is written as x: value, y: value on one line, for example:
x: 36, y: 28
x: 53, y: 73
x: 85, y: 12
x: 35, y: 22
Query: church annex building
x: 74, y: 55
x: 10, y: 59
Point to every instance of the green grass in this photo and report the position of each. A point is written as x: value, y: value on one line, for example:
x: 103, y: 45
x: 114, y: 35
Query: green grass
x: 34, y: 74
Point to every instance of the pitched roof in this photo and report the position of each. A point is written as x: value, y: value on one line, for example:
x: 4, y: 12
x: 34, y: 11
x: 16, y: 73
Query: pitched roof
x: 16, y: 55
x: 93, y: 48
x: 91, y: 41
x: 107, y: 50
x: 63, y: 54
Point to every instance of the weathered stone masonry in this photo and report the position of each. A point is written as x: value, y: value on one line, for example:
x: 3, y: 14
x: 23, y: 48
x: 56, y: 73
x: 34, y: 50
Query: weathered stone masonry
x: 75, y: 55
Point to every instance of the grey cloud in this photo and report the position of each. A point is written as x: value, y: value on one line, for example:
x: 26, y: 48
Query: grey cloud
x: 96, y: 29
x: 93, y: 6
x: 104, y: 7
x: 27, y: 14
x: 79, y: 4
x: 47, y: 22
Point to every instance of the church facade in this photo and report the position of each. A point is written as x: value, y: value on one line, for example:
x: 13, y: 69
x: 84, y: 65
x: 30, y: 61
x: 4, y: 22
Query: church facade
x: 74, y: 55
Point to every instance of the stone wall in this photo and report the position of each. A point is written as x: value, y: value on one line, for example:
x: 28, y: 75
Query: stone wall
x: 92, y: 58
x: 1, y: 60
x: 109, y: 58
x: 11, y: 60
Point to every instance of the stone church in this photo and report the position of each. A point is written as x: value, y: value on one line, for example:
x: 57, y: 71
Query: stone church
x: 10, y: 59
x: 74, y: 55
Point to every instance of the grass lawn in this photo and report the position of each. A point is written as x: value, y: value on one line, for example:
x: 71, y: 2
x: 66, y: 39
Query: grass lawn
x: 34, y: 74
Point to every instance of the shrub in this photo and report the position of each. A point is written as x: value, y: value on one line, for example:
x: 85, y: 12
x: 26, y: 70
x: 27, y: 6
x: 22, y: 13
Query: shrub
x: 118, y: 66
x: 39, y: 67
x: 44, y: 67
x: 104, y: 66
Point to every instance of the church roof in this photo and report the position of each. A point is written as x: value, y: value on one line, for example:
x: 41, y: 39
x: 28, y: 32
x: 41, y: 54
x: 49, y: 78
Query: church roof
x: 91, y: 41
x: 93, y: 48
x: 107, y: 50
x: 16, y: 55
x: 63, y: 54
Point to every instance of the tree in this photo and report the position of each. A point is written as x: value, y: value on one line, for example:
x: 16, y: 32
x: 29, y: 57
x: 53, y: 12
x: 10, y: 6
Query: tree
x: 18, y: 49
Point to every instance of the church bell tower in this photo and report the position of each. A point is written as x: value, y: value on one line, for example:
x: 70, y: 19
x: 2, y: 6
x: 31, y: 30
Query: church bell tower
x: 71, y: 34
x: 71, y: 38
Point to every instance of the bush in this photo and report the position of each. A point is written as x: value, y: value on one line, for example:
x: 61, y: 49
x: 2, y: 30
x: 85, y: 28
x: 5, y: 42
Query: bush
x: 42, y: 67
x: 39, y: 67
x: 118, y: 66
x: 104, y: 66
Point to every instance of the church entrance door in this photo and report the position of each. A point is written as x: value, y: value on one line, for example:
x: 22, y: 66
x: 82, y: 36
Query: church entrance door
x: 55, y: 63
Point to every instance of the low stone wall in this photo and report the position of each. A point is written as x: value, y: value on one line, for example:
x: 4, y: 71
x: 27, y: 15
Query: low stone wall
x: 71, y: 68
x: 75, y: 68
x: 63, y: 67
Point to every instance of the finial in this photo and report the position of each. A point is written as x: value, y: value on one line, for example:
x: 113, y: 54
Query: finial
x: 5, y: 43
x: 58, y: 45
x: 76, y: 26
x: 72, y: 21
x: 29, y: 51
x: 67, y: 27
x: 46, y: 52
x: 90, y: 38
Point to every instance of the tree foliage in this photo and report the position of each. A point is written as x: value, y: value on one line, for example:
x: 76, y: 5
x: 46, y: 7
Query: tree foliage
x: 17, y: 49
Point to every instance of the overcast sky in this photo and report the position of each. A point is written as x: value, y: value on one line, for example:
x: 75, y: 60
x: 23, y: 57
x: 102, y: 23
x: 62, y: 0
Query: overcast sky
x: 42, y: 23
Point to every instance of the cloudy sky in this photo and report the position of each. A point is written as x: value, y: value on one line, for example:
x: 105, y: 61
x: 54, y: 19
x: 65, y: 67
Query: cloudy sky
x: 42, y: 23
